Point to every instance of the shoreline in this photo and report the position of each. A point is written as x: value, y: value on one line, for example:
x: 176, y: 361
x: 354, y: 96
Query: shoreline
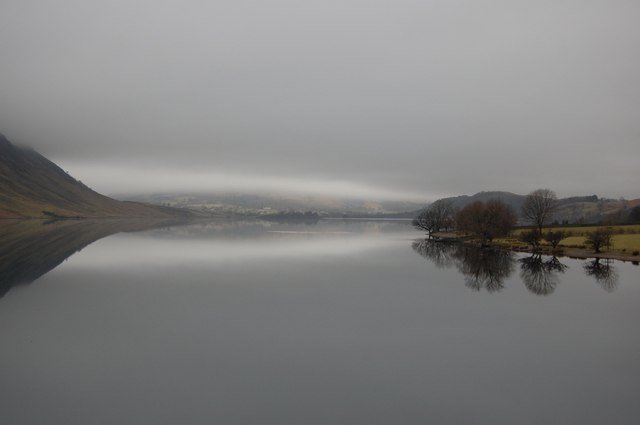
x: 578, y: 253
x: 571, y: 252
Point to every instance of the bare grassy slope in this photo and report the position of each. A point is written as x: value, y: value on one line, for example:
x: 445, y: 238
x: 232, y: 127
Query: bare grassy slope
x: 31, y: 186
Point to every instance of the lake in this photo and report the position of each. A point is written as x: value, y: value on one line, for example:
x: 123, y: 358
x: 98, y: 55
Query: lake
x: 338, y: 322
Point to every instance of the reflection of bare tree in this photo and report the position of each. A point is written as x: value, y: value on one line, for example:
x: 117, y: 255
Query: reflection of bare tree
x: 481, y: 267
x: 604, y: 273
x: 484, y: 268
x: 541, y: 276
x: 440, y: 253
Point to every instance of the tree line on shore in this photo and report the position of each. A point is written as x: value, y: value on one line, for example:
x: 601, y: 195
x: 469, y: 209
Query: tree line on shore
x: 486, y: 221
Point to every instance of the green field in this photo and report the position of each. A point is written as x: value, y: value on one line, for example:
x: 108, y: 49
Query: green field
x: 626, y: 237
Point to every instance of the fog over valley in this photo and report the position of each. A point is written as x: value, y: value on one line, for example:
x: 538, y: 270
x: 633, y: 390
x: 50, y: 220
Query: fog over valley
x: 410, y: 100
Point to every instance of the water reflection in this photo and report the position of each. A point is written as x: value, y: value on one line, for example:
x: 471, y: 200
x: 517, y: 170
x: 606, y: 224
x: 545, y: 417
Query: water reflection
x: 488, y: 269
x: 31, y: 248
x: 441, y: 254
x: 482, y: 268
x: 541, y: 276
x: 604, y: 273
x: 485, y: 268
x: 245, y: 322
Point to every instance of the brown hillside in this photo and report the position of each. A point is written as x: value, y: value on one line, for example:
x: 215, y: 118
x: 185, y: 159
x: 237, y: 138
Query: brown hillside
x: 31, y: 186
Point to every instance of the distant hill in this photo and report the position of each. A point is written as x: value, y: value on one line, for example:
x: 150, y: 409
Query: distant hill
x: 572, y: 210
x: 31, y: 186
x: 259, y: 204
x: 513, y: 200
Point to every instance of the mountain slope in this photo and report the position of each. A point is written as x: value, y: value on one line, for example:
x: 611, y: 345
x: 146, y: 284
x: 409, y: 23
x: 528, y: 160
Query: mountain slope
x: 573, y: 210
x: 31, y: 186
x: 513, y: 200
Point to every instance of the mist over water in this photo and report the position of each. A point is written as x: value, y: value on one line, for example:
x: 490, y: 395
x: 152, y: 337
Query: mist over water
x: 337, y: 322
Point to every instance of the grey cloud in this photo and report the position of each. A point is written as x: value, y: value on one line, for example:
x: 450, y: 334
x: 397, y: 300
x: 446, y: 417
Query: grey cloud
x: 417, y: 96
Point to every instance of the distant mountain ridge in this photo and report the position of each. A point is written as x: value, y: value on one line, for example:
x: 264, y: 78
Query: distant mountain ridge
x: 31, y: 186
x: 573, y: 210
x: 269, y: 203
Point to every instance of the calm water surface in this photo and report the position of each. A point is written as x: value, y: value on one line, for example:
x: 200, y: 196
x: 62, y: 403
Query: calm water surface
x: 333, y: 323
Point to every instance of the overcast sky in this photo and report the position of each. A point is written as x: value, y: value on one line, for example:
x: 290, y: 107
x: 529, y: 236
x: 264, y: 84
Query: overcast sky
x: 390, y: 99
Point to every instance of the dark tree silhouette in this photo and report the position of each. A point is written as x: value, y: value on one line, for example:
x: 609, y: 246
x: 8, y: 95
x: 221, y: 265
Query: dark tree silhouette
x: 436, y: 217
x: 554, y: 238
x: 530, y: 237
x: 634, y: 215
x: 539, y: 207
x: 486, y: 220
x: 599, y: 238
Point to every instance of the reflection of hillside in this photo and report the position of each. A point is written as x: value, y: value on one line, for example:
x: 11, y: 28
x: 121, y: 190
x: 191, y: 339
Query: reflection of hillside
x: 481, y: 267
x: 30, y: 249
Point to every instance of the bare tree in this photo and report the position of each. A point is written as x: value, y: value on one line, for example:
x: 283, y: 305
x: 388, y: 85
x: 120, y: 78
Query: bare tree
x: 436, y: 217
x: 530, y: 237
x: 599, y: 238
x: 554, y: 238
x: 539, y: 207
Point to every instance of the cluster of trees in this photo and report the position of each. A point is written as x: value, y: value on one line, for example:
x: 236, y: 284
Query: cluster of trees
x: 486, y: 220
x: 533, y: 237
x: 599, y: 238
x: 494, y: 218
x: 634, y: 215
x: 437, y: 217
x: 539, y: 207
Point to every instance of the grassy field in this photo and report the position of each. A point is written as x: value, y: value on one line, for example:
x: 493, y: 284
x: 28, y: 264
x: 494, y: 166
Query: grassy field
x: 626, y: 237
x: 583, y: 230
